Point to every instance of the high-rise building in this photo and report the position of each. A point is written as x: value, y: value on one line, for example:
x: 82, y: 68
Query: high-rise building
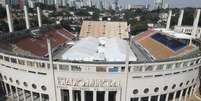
x: 158, y: 4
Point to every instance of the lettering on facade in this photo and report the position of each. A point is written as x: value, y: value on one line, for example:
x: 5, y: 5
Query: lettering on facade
x: 61, y: 81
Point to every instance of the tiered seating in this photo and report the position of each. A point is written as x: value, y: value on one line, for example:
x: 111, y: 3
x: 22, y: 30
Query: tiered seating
x: 104, y: 29
x: 144, y: 35
x: 38, y: 46
x: 169, y: 42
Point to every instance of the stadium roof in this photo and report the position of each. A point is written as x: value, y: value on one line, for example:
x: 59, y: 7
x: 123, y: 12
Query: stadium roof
x: 104, y: 29
x: 99, y: 49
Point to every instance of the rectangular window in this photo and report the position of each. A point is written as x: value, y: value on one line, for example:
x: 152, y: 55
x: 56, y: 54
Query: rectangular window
x: 13, y: 60
x: 63, y: 67
x: 159, y: 67
x: 21, y: 62
x: 137, y: 69
x: 1, y: 57
x: 76, y: 68
x: 30, y: 63
x: 101, y: 69
x: 6, y: 58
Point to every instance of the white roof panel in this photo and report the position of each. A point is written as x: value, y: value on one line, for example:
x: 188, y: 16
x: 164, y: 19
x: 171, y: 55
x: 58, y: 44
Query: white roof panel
x: 105, y: 49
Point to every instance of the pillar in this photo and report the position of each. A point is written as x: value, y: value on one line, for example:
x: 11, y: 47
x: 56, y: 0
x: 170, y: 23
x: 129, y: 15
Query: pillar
x: 26, y: 17
x: 18, y: 98
x: 10, y: 24
x: 180, y: 17
x: 169, y: 20
x: 186, y: 94
x: 195, y: 24
x: 94, y: 95
x: 71, y: 94
x: 39, y: 17
x: 31, y: 96
x: 159, y: 96
x: 106, y: 95
x: 6, y: 89
x: 40, y: 97
x: 167, y: 96
x: 180, y: 96
x: 53, y: 95
x: 191, y: 90
x: 24, y: 94
x: 11, y: 92
x: 174, y: 96
x: 118, y: 96
x: 149, y: 99
x: 82, y: 95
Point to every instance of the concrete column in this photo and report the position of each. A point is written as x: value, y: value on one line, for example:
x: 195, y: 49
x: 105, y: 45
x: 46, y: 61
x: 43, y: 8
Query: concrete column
x: 118, y: 96
x: 24, y: 94
x: 31, y: 96
x: 53, y: 95
x: 167, y: 96
x: 10, y: 23
x: 82, y: 95
x: 60, y: 95
x: 5, y: 88
x: 106, y: 95
x: 191, y: 90
x: 39, y: 17
x: 149, y: 98
x: 174, y: 96
x: 139, y: 99
x: 186, y: 94
x: 195, y: 24
x: 40, y: 97
x: 26, y: 17
x: 180, y: 96
x: 71, y: 94
x: 94, y: 95
x: 180, y: 17
x: 169, y: 19
x: 11, y: 92
x: 159, y: 96
x: 18, y: 98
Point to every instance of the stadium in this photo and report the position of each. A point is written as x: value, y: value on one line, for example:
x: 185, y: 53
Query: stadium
x: 103, y: 63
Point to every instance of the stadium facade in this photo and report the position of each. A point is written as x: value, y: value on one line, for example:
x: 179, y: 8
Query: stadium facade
x: 166, y: 70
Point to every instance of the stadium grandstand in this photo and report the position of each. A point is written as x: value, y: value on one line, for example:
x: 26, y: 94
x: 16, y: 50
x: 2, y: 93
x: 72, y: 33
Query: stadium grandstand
x: 48, y: 64
x: 104, y: 29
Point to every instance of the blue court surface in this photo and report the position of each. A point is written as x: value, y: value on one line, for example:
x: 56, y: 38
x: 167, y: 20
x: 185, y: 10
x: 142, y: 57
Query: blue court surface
x: 171, y: 43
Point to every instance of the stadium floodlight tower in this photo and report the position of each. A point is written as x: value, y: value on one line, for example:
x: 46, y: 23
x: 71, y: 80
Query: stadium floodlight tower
x: 26, y: 17
x: 39, y: 17
x: 169, y: 20
x: 180, y: 17
x: 195, y: 25
x: 10, y: 24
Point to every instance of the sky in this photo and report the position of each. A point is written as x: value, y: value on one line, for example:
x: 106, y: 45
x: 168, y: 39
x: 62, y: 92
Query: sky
x: 172, y: 3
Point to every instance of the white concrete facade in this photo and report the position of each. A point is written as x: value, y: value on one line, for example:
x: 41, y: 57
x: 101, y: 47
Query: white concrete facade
x: 31, y: 79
